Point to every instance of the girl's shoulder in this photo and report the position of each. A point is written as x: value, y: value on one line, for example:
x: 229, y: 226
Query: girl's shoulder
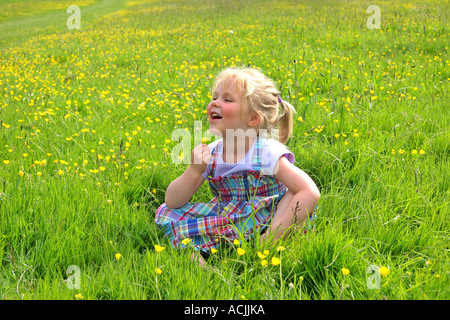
x: 272, y: 151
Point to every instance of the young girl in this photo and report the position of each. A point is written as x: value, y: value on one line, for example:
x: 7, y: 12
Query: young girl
x: 255, y: 184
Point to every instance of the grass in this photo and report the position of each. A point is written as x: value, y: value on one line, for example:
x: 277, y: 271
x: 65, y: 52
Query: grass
x: 86, y: 118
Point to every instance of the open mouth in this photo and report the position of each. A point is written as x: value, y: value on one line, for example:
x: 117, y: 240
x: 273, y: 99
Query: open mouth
x: 215, y: 115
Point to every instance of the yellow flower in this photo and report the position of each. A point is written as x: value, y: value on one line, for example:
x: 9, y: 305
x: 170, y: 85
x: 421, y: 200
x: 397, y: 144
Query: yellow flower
x: 236, y: 242
x: 39, y: 173
x: 275, y: 261
x: 263, y: 262
x: 118, y: 256
x: 414, y: 151
x: 345, y: 271
x: 240, y: 251
x: 261, y: 256
x: 158, y: 248
x: 21, y: 173
x: 6, y: 162
x: 213, y: 250
x: 266, y: 252
x: 108, y: 201
x: 401, y: 151
x: 186, y: 241
x: 158, y: 270
x: 421, y: 152
x: 102, y: 168
x: 280, y: 248
x: 383, y: 271
x: 79, y: 296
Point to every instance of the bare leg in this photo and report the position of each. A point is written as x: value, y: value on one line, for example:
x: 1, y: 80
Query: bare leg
x: 289, y: 212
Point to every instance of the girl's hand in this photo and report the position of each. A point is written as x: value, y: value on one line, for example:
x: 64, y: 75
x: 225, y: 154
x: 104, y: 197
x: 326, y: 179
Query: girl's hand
x: 200, y: 158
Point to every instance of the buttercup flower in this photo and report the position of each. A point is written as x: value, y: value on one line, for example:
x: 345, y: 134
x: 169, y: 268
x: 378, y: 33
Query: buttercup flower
x: 118, y: 256
x: 261, y: 256
x: 384, y: 271
x: 240, y: 251
x: 186, y: 241
x: 275, y: 261
x: 158, y: 270
x: 236, y: 242
x: 158, y: 248
x: 345, y: 271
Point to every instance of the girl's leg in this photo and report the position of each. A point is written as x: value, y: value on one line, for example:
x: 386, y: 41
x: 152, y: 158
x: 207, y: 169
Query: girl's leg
x: 288, y: 212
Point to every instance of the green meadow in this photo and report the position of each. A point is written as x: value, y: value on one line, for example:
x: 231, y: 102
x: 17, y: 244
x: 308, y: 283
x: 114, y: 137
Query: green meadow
x: 86, y: 147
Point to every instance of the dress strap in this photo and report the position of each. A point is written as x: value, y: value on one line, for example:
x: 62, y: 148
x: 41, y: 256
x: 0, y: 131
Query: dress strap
x: 215, y: 153
x: 260, y: 142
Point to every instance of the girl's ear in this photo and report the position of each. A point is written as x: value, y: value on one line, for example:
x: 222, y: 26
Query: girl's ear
x: 255, y: 119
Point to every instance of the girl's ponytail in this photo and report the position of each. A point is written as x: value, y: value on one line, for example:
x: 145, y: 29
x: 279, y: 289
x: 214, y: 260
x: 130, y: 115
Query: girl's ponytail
x: 285, y: 120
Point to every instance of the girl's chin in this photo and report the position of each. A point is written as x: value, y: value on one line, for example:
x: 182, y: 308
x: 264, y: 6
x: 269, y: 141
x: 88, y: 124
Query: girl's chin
x: 215, y: 132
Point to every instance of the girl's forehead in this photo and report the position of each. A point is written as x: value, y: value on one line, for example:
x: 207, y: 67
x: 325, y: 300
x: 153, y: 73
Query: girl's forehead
x: 228, y: 85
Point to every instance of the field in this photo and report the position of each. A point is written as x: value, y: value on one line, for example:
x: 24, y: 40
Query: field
x: 86, y: 123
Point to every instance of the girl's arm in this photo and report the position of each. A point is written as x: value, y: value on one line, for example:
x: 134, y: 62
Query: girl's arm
x: 181, y: 190
x: 300, y: 200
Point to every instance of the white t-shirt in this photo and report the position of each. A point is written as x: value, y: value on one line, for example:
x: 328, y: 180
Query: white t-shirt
x: 270, y: 154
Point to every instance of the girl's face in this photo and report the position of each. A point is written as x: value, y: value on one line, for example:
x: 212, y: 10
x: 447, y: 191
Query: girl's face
x: 224, y: 111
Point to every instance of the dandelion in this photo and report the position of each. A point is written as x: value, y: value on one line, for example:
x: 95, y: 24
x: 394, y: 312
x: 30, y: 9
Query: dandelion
x: 118, y: 256
x: 345, y: 271
x: 240, y: 251
x: 275, y: 261
x: 158, y: 248
x: 158, y: 270
x: 383, y: 271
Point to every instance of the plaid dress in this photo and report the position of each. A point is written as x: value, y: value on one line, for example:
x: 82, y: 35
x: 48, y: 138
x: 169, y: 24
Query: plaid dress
x: 243, y: 203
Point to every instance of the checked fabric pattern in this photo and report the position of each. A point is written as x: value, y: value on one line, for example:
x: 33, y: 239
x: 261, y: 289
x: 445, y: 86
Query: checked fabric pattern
x: 242, y: 203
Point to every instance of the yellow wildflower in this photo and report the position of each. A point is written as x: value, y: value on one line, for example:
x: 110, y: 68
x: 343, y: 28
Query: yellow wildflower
x: 240, y: 251
x: 345, y: 271
x: 383, y: 271
x: 118, y: 256
x: 261, y: 256
x: 275, y: 261
x: 158, y: 270
x: 186, y: 241
x: 158, y: 248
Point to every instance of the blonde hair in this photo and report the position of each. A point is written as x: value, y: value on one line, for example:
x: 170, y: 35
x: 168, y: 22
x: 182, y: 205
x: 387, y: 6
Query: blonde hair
x: 260, y: 95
